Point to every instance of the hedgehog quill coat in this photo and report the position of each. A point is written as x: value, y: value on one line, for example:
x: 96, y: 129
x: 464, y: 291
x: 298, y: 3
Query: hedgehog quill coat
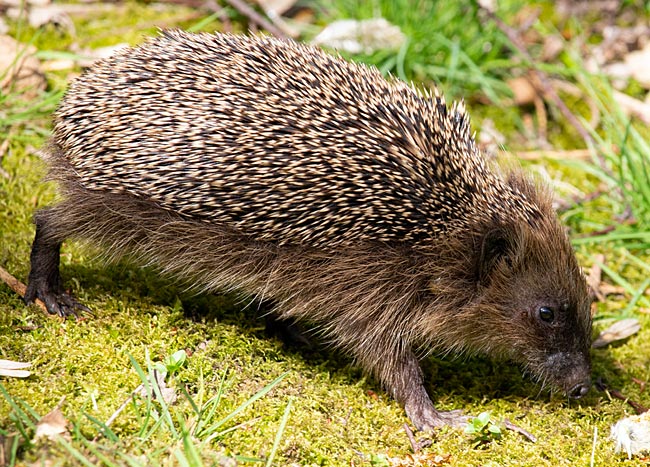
x: 358, y: 205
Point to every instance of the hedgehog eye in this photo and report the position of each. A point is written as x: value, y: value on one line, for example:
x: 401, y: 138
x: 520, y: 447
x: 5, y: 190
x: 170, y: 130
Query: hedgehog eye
x: 546, y: 314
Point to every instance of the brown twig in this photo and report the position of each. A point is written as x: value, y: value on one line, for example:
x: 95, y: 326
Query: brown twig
x: 17, y: 286
x: 224, y: 19
x: 602, y: 386
x: 517, y: 429
x: 119, y: 410
x: 597, y: 233
x: 209, y: 5
x: 571, y: 154
x: 246, y: 10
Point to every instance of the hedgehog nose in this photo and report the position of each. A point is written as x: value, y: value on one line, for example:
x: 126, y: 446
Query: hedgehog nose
x: 579, y: 390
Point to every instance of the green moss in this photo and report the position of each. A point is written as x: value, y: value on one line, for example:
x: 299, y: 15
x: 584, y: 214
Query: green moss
x: 338, y: 417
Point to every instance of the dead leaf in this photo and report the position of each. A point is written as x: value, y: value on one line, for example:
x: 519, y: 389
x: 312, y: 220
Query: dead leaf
x: 51, y: 425
x: 490, y: 139
x: 489, y: 5
x: 619, y: 330
x: 595, y: 276
x: 304, y: 16
x: 92, y: 55
x: 601, y: 289
x: 6, y: 448
x: 19, y: 3
x: 274, y: 10
x: 571, y: 9
x: 23, y: 73
x: 553, y: 46
x: 168, y: 394
x: 58, y: 65
x: 14, y: 369
x: 641, y: 383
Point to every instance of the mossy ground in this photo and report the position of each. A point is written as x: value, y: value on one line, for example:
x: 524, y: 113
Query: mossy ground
x: 338, y: 416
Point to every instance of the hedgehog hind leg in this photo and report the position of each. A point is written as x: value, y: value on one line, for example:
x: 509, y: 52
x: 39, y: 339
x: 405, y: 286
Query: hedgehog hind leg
x: 288, y: 331
x: 44, y: 280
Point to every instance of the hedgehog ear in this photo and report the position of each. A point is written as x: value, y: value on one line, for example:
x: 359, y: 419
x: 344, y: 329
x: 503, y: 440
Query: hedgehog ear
x: 495, y: 248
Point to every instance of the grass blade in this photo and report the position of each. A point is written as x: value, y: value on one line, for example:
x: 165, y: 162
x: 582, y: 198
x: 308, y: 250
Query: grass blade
x: 278, y: 436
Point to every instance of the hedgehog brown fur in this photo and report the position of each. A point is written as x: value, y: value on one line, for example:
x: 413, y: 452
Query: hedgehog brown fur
x: 359, y: 205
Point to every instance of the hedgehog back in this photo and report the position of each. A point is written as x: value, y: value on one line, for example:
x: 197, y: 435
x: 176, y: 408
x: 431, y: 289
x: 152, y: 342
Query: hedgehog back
x: 280, y: 141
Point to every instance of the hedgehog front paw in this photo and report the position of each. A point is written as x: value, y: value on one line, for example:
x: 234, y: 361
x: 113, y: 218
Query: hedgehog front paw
x: 426, y: 418
x: 61, y: 303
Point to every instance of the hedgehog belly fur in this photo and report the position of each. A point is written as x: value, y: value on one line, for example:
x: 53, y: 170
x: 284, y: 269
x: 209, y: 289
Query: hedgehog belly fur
x: 348, y: 294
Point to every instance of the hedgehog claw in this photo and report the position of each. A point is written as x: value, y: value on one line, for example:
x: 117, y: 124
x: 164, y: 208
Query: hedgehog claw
x: 428, y: 418
x: 61, y: 304
x: 68, y: 306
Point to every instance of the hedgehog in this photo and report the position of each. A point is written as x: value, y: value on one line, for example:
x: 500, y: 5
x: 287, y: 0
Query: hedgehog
x: 360, y: 206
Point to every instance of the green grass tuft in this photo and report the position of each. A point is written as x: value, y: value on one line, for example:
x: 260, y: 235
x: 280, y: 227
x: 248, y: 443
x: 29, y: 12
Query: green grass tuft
x: 459, y: 56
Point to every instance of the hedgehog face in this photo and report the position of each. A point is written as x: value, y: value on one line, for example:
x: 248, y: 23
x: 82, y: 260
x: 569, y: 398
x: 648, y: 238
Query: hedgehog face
x: 536, y: 299
x: 558, y: 324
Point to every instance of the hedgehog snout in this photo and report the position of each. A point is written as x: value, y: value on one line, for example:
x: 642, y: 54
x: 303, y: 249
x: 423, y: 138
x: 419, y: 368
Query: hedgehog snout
x: 580, y: 389
x: 571, y: 372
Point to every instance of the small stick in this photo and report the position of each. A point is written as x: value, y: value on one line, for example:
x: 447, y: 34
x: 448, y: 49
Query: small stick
x: 570, y: 154
x: 256, y: 18
x: 18, y: 286
x: 638, y: 408
x: 596, y: 233
x: 517, y: 429
x: 119, y: 410
x: 602, y: 386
